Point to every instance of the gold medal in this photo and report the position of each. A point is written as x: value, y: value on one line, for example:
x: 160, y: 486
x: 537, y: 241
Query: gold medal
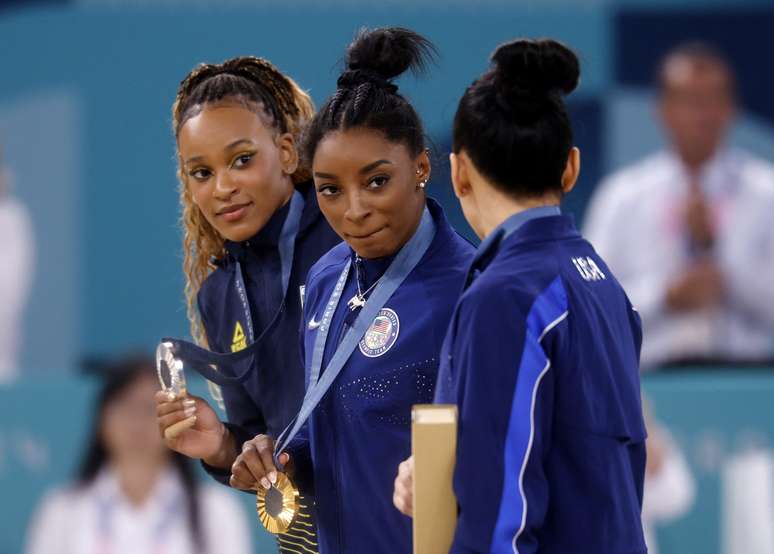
x: 278, y: 506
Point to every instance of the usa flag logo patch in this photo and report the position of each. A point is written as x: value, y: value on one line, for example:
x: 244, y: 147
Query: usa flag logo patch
x: 381, y: 335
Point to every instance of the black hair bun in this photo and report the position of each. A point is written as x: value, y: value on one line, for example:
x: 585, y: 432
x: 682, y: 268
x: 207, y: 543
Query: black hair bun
x: 527, y: 72
x: 380, y: 55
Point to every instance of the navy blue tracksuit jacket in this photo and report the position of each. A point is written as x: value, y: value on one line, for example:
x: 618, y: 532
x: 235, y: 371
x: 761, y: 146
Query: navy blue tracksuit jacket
x: 542, y: 359
x: 361, y: 430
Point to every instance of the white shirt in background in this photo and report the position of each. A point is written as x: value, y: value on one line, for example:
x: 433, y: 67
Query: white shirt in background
x: 669, y: 494
x: 747, y: 503
x: 16, y: 269
x: 635, y: 221
x: 98, y: 519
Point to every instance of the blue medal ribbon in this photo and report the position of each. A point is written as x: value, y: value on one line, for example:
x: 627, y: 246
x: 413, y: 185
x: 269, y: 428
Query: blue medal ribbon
x: 242, y: 293
x: 200, y: 359
x: 403, y: 264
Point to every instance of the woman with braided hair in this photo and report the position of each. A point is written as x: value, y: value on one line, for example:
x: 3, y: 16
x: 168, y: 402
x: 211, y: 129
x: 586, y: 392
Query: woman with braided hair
x: 251, y: 231
x: 377, y: 306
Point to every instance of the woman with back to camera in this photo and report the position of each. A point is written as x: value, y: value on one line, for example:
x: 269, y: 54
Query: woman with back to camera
x: 377, y: 307
x: 542, y: 354
x: 252, y: 230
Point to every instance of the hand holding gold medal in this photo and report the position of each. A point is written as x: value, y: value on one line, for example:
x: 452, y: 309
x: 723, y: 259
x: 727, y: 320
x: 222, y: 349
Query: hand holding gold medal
x: 277, y: 498
x: 278, y: 506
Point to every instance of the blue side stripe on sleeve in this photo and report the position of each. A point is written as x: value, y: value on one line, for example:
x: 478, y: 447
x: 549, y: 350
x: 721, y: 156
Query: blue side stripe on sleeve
x: 548, y: 310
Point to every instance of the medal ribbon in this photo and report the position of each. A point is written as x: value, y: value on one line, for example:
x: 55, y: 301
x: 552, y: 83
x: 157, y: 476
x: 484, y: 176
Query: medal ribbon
x: 201, y: 359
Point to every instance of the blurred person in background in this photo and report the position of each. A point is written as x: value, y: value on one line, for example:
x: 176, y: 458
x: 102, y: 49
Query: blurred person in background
x: 132, y: 494
x: 688, y: 230
x: 670, y: 488
x: 17, y: 255
x: 747, y: 502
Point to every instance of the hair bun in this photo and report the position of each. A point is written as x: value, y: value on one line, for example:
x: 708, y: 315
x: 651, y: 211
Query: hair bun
x: 351, y: 78
x: 528, y: 71
x: 380, y: 55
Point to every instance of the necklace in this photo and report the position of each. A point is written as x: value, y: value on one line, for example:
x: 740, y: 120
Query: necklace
x: 359, y: 300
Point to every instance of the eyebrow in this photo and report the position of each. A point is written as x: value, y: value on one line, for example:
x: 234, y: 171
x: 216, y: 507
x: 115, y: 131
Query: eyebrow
x: 228, y: 147
x: 363, y: 170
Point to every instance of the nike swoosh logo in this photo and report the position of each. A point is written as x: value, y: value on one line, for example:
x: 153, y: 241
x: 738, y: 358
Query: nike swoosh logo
x: 313, y: 324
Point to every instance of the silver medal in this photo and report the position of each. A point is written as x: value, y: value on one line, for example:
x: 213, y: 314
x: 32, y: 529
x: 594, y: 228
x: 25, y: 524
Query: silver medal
x: 170, y: 370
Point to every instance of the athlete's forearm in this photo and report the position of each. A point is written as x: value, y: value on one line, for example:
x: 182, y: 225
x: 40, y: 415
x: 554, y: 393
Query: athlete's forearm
x: 226, y: 454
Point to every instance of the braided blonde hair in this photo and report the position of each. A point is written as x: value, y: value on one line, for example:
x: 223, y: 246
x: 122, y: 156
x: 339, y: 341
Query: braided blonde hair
x: 260, y: 84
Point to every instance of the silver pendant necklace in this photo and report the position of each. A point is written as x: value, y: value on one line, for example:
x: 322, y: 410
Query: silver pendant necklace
x: 359, y: 300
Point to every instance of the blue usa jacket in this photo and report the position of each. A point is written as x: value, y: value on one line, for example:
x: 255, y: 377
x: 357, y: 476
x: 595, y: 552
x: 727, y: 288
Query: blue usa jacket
x: 271, y: 396
x: 542, y: 359
x: 360, y: 431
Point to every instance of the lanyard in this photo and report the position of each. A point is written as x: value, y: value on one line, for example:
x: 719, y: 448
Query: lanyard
x: 239, y: 283
x: 201, y: 359
x: 403, y: 264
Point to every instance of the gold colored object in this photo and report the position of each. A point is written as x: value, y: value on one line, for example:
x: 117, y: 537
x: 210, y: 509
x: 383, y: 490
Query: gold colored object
x: 433, y: 445
x: 278, y: 506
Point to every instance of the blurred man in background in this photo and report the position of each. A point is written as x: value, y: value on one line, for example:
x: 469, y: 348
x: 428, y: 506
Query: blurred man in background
x: 16, y: 268
x: 688, y: 231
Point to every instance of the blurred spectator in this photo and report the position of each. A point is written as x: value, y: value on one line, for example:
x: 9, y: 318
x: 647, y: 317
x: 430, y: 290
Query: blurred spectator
x: 747, y: 503
x: 670, y: 488
x: 688, y: 231
x: 133, y: 495
x: 16, y: 253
